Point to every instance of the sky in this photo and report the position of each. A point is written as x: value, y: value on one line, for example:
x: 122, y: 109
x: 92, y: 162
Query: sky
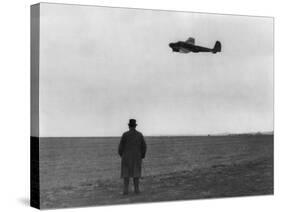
x: 101, y: 66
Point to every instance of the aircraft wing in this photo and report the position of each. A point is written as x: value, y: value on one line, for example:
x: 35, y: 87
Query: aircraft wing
x: 190, y: 41
x: 182, y: 50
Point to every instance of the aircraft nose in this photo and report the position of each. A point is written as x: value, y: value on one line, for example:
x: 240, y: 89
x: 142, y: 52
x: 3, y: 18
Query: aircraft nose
x: 171, y: 45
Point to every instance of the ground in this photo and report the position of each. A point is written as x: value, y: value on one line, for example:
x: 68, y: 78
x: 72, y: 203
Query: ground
x: 242, y: 179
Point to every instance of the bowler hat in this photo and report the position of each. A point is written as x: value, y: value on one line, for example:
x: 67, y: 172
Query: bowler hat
x: 132, y: 123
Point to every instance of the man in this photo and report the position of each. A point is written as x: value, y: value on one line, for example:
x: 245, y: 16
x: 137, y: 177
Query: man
x: 132, y: 149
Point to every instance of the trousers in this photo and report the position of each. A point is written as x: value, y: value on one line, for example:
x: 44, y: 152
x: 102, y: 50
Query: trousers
x: 126, y: 185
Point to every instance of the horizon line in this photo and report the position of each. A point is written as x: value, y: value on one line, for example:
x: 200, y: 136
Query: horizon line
x: 167, y: 135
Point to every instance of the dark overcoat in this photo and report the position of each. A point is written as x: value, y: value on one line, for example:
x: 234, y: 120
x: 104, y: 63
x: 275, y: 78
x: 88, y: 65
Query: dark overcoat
x: 132, y: 149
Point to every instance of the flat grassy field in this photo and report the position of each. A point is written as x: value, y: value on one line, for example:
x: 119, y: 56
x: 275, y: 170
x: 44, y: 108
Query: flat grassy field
x: 86, y: 171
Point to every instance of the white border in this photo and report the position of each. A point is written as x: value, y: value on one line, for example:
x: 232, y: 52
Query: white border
x: 15, y: 104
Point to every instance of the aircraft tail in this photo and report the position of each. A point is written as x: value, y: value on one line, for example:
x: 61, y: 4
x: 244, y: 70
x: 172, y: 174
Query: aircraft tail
x: 217, y: 47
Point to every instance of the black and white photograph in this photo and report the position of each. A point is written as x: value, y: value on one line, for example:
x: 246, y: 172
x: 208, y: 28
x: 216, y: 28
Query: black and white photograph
x: 139, y: 105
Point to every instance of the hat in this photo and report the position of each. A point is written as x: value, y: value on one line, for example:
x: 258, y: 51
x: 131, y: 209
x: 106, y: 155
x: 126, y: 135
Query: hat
x: 132, y: 123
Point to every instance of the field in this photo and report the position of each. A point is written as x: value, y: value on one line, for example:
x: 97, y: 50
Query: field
x: 86, y: 171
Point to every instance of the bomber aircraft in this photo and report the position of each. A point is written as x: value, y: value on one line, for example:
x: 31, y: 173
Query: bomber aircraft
x: 189, y: 46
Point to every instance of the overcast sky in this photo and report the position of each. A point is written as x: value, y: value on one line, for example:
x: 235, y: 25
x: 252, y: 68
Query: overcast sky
x: 101, y: 66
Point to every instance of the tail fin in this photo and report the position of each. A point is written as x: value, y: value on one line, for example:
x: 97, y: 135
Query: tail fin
x: 217, y: 47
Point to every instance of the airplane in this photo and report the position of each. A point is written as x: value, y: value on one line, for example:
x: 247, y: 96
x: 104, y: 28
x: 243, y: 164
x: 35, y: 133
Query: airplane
x: 189, y: 46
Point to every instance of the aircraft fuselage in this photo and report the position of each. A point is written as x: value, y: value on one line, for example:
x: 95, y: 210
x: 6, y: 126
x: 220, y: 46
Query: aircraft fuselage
x: 186, y: 47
